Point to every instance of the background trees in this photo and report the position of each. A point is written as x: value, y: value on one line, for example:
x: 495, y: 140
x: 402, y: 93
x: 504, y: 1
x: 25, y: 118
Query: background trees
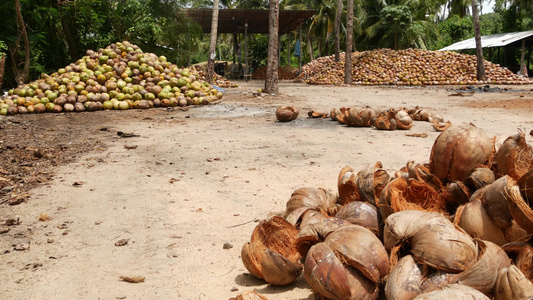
x: 60, y: 31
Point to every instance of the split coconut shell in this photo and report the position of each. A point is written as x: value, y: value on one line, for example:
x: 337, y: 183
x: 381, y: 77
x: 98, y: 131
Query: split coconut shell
x: 286, y: 113
x: 458, y: 150
x: 271, y: 254
x: 523, y: 257
x: 405, y: 280
x: 371, y: 181
x: 515, y: 156
x: 511, y: 284
x: 361, y: 213
x: 454, y: 291
x: 317, y: 198
x: 347, y: 186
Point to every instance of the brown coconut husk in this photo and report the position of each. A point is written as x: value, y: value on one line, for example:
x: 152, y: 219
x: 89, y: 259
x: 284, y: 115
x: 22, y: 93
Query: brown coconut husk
x: 495, y: 198
x: 386, y: 121
x: 356, y: 117
x: 511, y: 284
x: 286, y: 113
x: 358, y: 247
x: 403, y: 120
x: 409, y: 194
x: 330, y: 278
x: 522, y: 254
x: 403, y: 225
x: 405, y: 279
x: 347, y: 186
x: 519, y: 209
x: 458, y: 150
x: 371, y: 181
x: 317, y: 232
x: 479, y: 178
x: 303, y: 216
x: 335, y: 112
x: 277, y: 236
x: 435, y: 280
x: 361, y: 213
x: 483, y: 273
x: 441, y: 126
x: 422, y: 173
x: 453, y: 291
x: 457, y: 193
x: 515, y: 156
x: 317, y: 114
x: 525, y: 183
x: 318, y: 198
x: 474, y: 219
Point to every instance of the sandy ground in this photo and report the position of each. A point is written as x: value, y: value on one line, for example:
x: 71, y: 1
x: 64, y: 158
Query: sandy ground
x: 186, y: 193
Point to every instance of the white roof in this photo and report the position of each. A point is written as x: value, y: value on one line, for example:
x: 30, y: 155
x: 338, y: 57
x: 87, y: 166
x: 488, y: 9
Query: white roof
x: 495, y: 40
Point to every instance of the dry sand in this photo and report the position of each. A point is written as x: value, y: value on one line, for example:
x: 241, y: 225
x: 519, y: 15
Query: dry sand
x: 196, y: 182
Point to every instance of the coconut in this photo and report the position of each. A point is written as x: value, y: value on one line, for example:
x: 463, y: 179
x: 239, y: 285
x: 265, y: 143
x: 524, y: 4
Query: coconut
x: 286, y: 113
x: 515, y: 156
x: 512, y: 284
x: 361, y: 213
x: 319, y: 199
x: 453, y: 291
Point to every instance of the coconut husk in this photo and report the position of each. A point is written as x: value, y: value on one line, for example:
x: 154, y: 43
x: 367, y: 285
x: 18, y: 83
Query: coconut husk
x: 482, y: 274
x: 403, y: 225
x: 403, y: 120
x: 474, y: 219
x: 318, y: 198
x: 334, y: 113
x: 355, y: 117
x: 410, y: 194
x: 511, y: 284
x: 279, y: 270
x: 361, y: 213
x: 386, y: 121
x: 303, y: 216
x: 404, y: 280
x: 347, y: 186
x: 249, y: 295
x: 453, y: 291
x: 515, y: 156
x: 420, y: 114
x: 515, y: 233
x: 458, y: 150
x: 523, y: 253
x: 278, y: 236
x: 358, y: 247
x: 519, y: 209
x: 317, y: 232
x: 479, y: 178
x: 441, y: 126
x: 495, y: 197
x: 326, y: 275
x: 435, y: 118
x: 435, y: 280
x: 371, y: 181
x: 286, y: 113
x: 457, y: 193
x: 422, y: 173
x: 317, y: 114
x: 525, y: 183
x: 444, y: 247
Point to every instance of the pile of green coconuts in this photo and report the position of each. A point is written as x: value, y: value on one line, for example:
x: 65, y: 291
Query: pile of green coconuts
x: 118, y: 77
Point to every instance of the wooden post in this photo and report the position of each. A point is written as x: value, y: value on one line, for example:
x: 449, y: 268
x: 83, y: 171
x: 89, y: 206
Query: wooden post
x: 289, y: 49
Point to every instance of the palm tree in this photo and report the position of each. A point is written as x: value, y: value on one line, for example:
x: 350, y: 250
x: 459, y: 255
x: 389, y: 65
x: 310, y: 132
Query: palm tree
x: 213, y: 43
x: 479, y: 50
x: 349, y: 32
x: 338, y: 15
x: 271, y: 80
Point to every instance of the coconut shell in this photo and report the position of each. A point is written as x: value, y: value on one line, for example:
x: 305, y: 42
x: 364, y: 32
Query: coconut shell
x: 511, y: 284
x: 371, y: 181
x: 326, y: 275
x: 440, y: 126
x: 458, y: 150
x: 317, y: 198
x: 525, y: 183
x: 403, y: 225
x: 355, y: 117
x: 286, y: 113
x: 422, y: 173
x: 454, y: 291
x: 516, y: 233
x: 403, y: 119
x: 495, y: 197
x: 277, y: 236
x: 519, y: 209
x: 360, y: 248
x: 347, y: 186
x: 334, y: 113
x: 474, y: 219
x: 410, y: 194
x: 386, y: 121
x: 515, y: 156
x: 361, y: 213
x: 279, y: 270
x: 436, y: 280
x: 404, y: 280
x: 482, y: 274
x: 480, y: 178
x: 304, y: 216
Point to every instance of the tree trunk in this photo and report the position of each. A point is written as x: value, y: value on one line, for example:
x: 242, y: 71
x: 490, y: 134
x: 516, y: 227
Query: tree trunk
x: 2, y: 69
x: 271, y: 80
x: 349, y: 37
x: 212, y: 44
x: 69, y: 37
x: 21, y: 78
x: 310, y: 48
x: 338, y: 31
x: 479, y: 50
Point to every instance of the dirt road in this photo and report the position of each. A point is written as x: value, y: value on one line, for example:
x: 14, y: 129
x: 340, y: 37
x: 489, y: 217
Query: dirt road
x: 175, y: 202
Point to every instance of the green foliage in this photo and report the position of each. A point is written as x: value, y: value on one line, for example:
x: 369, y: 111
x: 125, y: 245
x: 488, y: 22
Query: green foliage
x: 3, y: 48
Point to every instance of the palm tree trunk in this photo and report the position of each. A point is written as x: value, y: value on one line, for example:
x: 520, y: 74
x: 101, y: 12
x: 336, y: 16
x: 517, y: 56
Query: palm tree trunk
x: 212, y: 44
x: 349, y: 37
x: 271, y: 80
x: 2, y: 69
x: 21, y: 78
x: 479, y: 50
x: 338, y: 31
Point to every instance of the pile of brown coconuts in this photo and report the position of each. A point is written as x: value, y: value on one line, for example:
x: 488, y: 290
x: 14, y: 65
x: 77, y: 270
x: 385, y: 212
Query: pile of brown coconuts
x: 406, y: 67
x: 458, y: 226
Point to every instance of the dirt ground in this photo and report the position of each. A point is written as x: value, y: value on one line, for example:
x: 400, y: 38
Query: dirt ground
x: 172, y: 195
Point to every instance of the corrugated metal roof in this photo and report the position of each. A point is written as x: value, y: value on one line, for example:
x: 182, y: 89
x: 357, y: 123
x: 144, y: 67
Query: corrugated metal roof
x: 234, y: 20
x: 495, y: 40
